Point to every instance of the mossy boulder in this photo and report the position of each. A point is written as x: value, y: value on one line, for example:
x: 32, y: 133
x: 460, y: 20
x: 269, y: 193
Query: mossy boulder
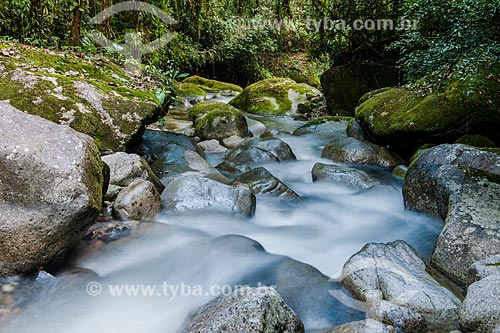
x: 213, y: 86
x: 216, y: 120
x: 476, y: 141
x: 344, y: 85
x: 404, y: 121
x: 275, y: 96
x: 329, y: 125
x: 190, y: 92
x: 94, y: 98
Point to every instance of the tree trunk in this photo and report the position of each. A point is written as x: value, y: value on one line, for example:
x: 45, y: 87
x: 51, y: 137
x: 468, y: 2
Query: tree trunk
x: 74, y: 39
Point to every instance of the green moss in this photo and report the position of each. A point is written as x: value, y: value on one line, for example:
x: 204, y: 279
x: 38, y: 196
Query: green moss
x: 212, y: 85
x: 271, y: 96
x: 476, y: 141
x: 370, y: 94
x: 189, y: 89
x: 203, y: 108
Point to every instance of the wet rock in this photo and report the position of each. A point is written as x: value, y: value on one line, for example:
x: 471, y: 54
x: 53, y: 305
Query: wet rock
x: 339, y: 174
x: 212, y: 146
x: 217, y: 120
x: 325, y: 126
x: 468, y: 200
x: 262, y: 182
x: 125, y: 168
x: 194, y: 193
x: 395, y: 273
x: 362, y: 326
x: 481, y: 308
x: 140, y: 200
x: 232, y: 142
x: 400, y: 171
x: 352, y: 151
x: 51, y: 181
x: 256, y: 127
x: 398, y: 316
x: 274, y: 96
x: 419, y: 188
x: 354, y: 130
x: 252, y: 310
x: 483, y: 268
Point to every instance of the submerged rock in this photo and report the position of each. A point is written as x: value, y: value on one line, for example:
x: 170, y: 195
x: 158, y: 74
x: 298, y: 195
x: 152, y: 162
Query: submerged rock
x: 195, y: 193
x: 362, y: 326
x: 352, y: 151
x: 335, y: 173
x: 125, y: 168
x: 325, y: 126
x: 275, y: 96
x: 51, y: 181
x: 216, y: 120
x: 480, y: 311
x: 251, y: 310
x: 261, y: 181
x: 140, y: 200
x: 395, y: 273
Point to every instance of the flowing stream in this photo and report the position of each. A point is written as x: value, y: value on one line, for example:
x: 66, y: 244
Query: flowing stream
x: 305, y: 244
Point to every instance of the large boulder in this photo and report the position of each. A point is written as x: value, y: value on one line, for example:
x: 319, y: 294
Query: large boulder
x: 419, y: 189
x: 250, y: 310
x: 394, y: 272
x: 362, y: 326
x: 480, y: 311
x: 275, y: 96
x: 349, y: 150
x: 469, y: 203
x: 196, y: 193
x: 140, y: 200
x: 328, y: 126
x: 256, y: 151
x: 262, y: 182
x: 343, y: 175
x: 213, y: 86
x: 217, y: 120
x: 190, y: 92
x: 125, y: 168
x: 51, y: 182
x: 94, y: 98
x: 398, y: 118
x: 344, y: 85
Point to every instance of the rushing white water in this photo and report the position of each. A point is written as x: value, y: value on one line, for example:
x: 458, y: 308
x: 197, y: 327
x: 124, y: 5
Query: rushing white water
x: 306, y: 243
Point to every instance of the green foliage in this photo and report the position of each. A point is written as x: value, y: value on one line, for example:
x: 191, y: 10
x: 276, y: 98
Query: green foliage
x: 454, y: 40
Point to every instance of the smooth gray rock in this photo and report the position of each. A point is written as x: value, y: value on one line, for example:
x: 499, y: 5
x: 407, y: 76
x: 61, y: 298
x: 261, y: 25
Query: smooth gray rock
x: 212, y: 146
x: 325, y: 126
x: 353, y: 151
x: 339, y: 174
x: 398, y: 316
x: 480, y: 311
x: 255, y: 127
x: 51, y: 180
x: 362, y: 326
x: 262, y: 182
x: 249, y: 310
x: 483, y: 268
x: 469, y: 202
x: 232, y: 142
x: 354, y: 130
x: 394, y: 272
x: 140, y: 200
x: 195, y: 193
x: 420, y: 181
x: 125, y: 168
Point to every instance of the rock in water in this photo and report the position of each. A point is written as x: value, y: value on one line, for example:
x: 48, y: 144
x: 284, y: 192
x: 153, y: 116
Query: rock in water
x: 481, y: 309
x: 51, y: 183
x: 250, y: 310
x: 353, y: 151
x: 261, y: 181
x: 194, y: 193
x: 335, y: 173
x: 125, y: 168
x: 362, y: 326
x: 395, y: 273
x: 140, y: 200
x: 325, y: 126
